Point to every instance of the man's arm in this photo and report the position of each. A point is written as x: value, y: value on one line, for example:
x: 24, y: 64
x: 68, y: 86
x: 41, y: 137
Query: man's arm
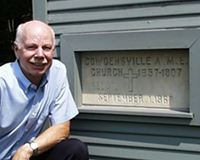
x: 45, y: 141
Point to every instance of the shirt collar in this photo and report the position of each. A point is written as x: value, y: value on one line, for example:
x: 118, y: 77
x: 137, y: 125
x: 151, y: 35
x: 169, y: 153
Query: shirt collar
x: 23, y: 81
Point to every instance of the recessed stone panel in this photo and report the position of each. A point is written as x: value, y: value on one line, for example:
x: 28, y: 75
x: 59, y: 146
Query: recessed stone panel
x: 145, y: 78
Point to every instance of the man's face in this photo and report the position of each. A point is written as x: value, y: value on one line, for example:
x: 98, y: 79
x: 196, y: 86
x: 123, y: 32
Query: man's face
x: 36, y: 52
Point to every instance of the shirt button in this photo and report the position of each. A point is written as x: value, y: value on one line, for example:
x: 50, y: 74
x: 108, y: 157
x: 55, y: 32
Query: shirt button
x: 33, y: 114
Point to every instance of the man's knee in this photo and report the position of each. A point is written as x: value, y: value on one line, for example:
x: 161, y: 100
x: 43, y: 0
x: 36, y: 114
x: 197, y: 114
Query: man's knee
x: 78, y: 149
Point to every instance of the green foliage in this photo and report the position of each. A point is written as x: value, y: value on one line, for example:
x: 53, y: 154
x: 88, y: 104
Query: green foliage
x: 12, y: 13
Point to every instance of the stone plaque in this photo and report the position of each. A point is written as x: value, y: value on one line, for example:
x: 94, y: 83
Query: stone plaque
x: 145, y: 78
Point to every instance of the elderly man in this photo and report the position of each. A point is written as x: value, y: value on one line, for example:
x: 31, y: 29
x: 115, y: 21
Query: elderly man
x: 33, y: 88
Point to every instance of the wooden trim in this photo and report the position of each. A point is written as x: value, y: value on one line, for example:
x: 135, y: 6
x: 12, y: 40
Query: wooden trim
x: 159, y: 39
x: 40, y: 10
x: 69, y: 5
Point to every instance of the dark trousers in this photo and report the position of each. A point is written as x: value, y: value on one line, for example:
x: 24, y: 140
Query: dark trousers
x: 70, y: 149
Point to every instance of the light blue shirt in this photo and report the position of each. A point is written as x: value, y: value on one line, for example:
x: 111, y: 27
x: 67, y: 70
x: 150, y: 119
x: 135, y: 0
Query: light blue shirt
x: 24, y: 108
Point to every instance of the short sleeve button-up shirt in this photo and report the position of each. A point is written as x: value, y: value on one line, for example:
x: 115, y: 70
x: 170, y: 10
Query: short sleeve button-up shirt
x: 24, y: 108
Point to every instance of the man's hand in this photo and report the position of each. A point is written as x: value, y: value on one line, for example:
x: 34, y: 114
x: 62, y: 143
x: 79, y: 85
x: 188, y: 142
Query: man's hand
x: 23, y: 153
x: 45, y: 141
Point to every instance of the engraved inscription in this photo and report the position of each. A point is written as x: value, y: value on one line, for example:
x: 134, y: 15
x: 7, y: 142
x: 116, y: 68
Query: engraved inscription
x: 153, y: 78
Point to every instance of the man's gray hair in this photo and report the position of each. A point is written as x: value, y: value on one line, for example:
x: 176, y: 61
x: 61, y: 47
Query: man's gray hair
x: 18, y: 38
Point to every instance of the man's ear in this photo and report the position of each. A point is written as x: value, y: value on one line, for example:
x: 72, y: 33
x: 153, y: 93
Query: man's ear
x: 16, y: 50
